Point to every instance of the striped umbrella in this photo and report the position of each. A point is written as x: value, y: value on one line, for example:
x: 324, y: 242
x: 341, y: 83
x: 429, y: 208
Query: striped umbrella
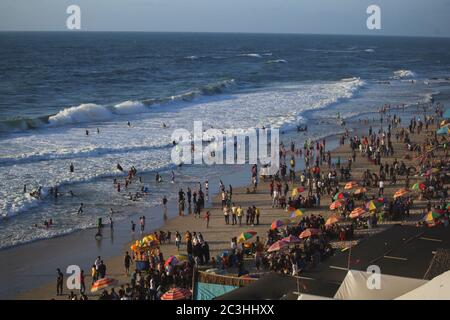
x: 308, y: 233
x: 360, y: 190
x: 103, y: 283
x: 276, y: 224
x: 176, y: 294
x: 291, y: 239
x: 246, y: 235
x: 418, y: 186
x: 336, y: 204
x: 400, y: 193
x: 280, y: 244
x: 351, y: 185
x: 356, y: 213
x: 172, y: 260
x: 297, y: 213
x: 332, y: 220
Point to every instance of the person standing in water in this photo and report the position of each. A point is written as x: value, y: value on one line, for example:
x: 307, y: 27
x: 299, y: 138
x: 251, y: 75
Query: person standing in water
x: 164, y: 203
x: 173, y: 177
x: 133, y: 226
x: 80, y: 209
x: 71, y: 168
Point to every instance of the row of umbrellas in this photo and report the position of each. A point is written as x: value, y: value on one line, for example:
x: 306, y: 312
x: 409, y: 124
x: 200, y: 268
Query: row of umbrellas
x: 285, y: 242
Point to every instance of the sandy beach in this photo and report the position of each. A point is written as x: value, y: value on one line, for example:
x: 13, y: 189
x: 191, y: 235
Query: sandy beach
x: 219, y: 235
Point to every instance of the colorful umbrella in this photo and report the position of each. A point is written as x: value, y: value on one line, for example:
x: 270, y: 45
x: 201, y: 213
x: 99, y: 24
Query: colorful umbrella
x: 276, y: 224
x: 296, y: 191
x: 443, y: 131
x: 291, y: 239
x: 400, y: 193
x: 332, y: 220
x: 356, y: 213
x: 280, y: 244
x: 431, y: 215
x: 341, y: 196
x: 360, y: 190
x: 172, y: 260
x: 308, y: 233
x: 351, y: 185
x: 176, y: 294
x: 297, y: 213
x: 418, y: 186
x: 246, y: 235
x: 373, y: 205
x: 103, y: 284
x: 336, y: 204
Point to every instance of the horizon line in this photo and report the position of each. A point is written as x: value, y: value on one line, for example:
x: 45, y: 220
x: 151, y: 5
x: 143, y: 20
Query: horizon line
x: 233, y: 32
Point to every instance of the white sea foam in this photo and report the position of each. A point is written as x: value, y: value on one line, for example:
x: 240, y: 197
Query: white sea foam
x: 86, y: 112
x: 404, y: 74
x: 277, y: 61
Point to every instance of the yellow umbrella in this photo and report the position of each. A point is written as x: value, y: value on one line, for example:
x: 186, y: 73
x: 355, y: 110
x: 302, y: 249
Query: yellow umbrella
x: 297, y: 213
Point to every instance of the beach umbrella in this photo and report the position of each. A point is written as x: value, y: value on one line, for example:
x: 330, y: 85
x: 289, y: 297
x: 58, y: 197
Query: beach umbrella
x: 443, y: 131
x: 341, y: 196
x: 172, y: 260
x: 400, y: 193
x: 446, y: 114
x: 280, y: 244
x: 103, y: 283
x: 182, y: 257
x: 360, y: 191
x: 351, y: 185
x: 276, y: 224
x: 433, y: 214
x: 297, y: 213
x: 291, y: 239
x: 308, y: 233
x: 176, y: 294
x: 373, y: 205
x: 246, y: 235
x: 418, y: 186
x: 296, y: 191
x: 356, y: 213
x: 336, y: 204
x: 332, y: 220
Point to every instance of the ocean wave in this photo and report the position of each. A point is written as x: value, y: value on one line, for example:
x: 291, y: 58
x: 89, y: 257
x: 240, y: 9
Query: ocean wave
x: 91, y: 112
x: 403, y: 74
x: 251, y: 55
x: 277, y: 61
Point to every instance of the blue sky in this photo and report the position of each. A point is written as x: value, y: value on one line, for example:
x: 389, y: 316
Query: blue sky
x: 399, y: 17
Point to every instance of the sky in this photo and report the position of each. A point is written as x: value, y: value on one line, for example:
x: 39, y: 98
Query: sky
x: 398, y: 17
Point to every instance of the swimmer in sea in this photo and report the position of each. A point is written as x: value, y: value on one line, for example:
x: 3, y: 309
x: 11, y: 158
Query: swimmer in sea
x: 129, y: 124
x: 87, y: 132
x: 164, y: 125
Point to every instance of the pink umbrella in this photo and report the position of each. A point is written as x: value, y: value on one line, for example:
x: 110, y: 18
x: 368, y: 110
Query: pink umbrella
x: 280, y: 244
x: 309, y: 232
x: 291, y: 239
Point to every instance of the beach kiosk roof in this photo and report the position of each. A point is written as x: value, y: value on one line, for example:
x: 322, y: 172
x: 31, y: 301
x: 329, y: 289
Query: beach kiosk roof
x: 436, y: 289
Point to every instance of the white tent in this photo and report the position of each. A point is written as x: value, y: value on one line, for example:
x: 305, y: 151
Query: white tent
x: 437, y: 288
x: 361, y: 285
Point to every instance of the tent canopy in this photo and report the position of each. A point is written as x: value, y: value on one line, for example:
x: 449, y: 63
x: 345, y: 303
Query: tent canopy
x: 436, y: 289
x: 358, y: 285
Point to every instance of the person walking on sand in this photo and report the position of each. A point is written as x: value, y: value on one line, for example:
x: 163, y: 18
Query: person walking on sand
x: 164, y: 204
x: 133, y: 226
x: 381, y: 188
x: 59, y: 282
x: 207, y: 217
x: 127, y: 263
x: 82, y: 283
x: 178, y: 240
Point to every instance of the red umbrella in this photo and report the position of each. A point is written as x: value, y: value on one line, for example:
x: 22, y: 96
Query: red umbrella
x: 176, y: 294
x: 103, y: 284
x: 308, y: 233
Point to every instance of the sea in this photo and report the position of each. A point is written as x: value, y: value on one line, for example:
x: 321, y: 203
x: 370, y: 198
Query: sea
x: 56, y: 85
